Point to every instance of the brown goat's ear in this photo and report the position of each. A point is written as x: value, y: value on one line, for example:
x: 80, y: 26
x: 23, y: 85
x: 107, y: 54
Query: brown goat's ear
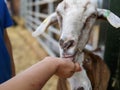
x: 45, y: 24
x: 113, y: 19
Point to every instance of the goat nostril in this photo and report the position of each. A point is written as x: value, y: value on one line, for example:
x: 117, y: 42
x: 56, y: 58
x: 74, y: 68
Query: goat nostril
x: 61, y: 42
x: 68, y: 44
x: 80, y: 88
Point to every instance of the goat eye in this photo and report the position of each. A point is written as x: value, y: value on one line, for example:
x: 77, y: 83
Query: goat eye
x: 59, y: 18
x: 93, y: 15
x: 58, y: 13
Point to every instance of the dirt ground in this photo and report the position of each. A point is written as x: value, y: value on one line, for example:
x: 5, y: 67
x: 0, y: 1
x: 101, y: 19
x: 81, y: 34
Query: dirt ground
x: 27, y: 51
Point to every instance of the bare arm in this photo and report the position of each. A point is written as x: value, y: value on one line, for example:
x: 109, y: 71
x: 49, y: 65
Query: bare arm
x: 36, y: 76
x: 9, y: 48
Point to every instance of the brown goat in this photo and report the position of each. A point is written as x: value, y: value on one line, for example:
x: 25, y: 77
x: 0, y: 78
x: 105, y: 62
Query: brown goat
x: 97, y: 72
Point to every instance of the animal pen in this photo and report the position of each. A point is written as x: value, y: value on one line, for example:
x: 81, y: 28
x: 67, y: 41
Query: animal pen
x: 35, y: 11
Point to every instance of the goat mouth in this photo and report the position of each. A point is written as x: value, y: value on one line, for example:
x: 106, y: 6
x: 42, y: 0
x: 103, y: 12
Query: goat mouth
x: 73, y: 56
x: 70, y: 56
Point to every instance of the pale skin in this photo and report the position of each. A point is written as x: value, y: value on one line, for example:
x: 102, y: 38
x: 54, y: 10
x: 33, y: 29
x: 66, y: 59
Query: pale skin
x: 35, y: 77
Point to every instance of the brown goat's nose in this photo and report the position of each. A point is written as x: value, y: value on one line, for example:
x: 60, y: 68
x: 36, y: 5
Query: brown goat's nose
x: 66, y: 44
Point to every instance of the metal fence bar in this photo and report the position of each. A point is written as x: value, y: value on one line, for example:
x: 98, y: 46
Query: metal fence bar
x: 31, y: 12
x: 41, y: 2
x: 37, y: 14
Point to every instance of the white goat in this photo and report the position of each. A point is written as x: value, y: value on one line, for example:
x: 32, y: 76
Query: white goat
x: 76, y: 18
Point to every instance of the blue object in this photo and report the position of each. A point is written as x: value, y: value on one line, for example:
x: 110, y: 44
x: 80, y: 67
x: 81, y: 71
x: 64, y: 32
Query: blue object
x: 5, y: 63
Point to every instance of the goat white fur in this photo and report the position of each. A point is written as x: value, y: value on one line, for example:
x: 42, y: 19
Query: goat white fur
x: 76, y: 18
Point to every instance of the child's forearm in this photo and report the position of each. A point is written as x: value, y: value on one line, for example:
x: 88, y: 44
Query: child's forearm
x: 33, y: 78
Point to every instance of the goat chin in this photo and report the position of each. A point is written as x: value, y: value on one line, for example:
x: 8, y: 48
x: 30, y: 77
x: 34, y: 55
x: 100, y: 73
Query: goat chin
x: 94, y: 75
x: 80, y: 79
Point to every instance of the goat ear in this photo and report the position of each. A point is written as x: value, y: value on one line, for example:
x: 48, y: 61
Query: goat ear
x: 45, y: 24
x: 111, y: 17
